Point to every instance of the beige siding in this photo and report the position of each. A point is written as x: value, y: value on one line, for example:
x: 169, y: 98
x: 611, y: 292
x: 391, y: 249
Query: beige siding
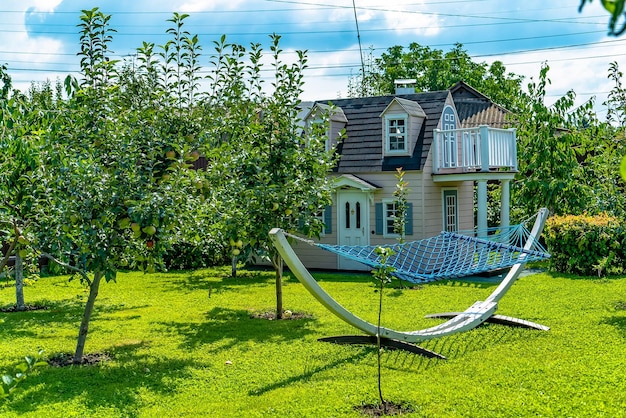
x: 314, y: 257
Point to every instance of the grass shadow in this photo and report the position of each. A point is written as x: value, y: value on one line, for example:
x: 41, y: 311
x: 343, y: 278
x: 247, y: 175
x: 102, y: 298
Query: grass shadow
x: 307, y: 374
x: 235, y: 326
x: 618, y: 322
x: 206, y: 279
x: 58, y: 313
x: 113, y: 385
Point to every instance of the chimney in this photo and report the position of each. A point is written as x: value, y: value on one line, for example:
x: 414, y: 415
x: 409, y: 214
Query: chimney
x: 405, y: 86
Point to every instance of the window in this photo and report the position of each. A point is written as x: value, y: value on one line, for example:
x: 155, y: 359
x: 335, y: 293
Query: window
x: 385, y: 216
x: 396, y: 134
x: 450, y: 212
x: 390, y: 217
x: 450, y: 147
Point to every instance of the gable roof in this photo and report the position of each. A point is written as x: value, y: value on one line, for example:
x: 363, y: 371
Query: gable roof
x: 410, y: 107
x: 475, y: 109
x: 361, y: 150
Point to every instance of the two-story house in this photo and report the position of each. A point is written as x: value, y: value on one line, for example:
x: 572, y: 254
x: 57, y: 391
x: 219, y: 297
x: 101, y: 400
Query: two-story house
x: 446, y: 142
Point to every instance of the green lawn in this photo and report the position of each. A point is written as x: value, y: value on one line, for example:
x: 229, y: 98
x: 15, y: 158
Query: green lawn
x: 176, y: 351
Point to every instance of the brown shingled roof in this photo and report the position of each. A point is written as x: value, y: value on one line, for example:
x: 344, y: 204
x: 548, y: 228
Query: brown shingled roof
x: 361, y: 150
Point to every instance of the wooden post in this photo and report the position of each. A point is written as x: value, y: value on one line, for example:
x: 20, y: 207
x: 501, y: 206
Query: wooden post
x: 484, y: 148
x: 505, y: 198
x: 482, y: 207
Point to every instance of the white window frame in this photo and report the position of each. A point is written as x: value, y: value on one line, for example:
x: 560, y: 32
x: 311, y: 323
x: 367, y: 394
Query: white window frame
x: 450, y: 144
x: 444, y: 209
x: 405, y: 134
x: 387, y: 229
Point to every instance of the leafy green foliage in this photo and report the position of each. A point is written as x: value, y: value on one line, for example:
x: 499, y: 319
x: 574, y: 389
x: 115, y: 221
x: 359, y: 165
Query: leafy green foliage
x: 586, y: 245
x: 276, y: 171
x: 402, y: 205
x: 434, y: 69
x: 10, y: 381
x: 616, y: 10
x: 548, y: 140
x: 24, y: 119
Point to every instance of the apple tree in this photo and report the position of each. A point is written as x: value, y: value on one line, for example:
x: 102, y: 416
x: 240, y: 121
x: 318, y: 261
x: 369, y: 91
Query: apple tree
x: 277, y: 171
x: 118, y: 187
x: 23, y: 118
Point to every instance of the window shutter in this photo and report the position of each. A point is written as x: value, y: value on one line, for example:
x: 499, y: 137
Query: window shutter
x: 328, y: 220
x: 379, y: 218
x: 408, y: 217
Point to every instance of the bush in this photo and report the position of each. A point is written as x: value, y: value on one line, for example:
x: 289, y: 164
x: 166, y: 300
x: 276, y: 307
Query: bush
x: 586, y: 245
x: 185, y: 256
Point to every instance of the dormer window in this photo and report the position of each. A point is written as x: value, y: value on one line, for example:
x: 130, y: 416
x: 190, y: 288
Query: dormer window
x: 396, y: 134
x: 401, y: 122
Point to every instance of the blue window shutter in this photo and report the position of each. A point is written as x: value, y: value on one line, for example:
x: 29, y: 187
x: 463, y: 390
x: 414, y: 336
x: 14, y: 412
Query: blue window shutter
x: 379, y: 218
x: 408, y: 217
x: 328, y: 220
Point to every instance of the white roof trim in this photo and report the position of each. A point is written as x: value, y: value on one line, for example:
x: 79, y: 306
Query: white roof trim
x: 409, y: 106
x: 354, y: 182
x: 336, y: 113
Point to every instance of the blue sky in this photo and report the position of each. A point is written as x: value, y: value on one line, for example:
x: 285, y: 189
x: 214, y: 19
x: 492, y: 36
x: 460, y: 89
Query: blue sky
x: 39, y: 38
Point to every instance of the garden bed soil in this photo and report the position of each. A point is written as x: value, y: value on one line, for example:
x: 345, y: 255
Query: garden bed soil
x: 66, y: 359
x: 13, y: 308
x: 383, y: 410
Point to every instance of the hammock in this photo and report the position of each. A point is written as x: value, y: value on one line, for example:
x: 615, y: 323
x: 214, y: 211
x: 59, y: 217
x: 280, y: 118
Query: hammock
x: 477, y: 314
x: 449, y: 254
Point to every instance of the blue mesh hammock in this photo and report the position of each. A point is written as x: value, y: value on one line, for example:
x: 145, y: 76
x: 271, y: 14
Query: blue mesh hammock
x: 449, y: 254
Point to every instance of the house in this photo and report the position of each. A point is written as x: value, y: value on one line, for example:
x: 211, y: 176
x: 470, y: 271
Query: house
x: 446, y: 142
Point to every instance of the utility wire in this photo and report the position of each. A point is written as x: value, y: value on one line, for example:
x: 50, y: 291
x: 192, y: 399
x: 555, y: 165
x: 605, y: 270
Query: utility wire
x: 358, y: 35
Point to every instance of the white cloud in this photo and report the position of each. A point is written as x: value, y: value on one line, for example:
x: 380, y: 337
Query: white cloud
x: 40, y: 5
x: 30, y: 58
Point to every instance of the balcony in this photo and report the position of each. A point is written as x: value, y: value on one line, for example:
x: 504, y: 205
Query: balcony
x: 471, y: 150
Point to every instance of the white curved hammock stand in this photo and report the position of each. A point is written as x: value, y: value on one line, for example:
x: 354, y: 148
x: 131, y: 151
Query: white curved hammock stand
x: 475, y: 315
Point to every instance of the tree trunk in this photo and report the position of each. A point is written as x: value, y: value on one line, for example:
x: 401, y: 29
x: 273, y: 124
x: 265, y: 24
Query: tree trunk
x: 84, y: 325
x: 277, y: 262
x: 233, y: 270
x: 7, y: 255
x: 19, y: 283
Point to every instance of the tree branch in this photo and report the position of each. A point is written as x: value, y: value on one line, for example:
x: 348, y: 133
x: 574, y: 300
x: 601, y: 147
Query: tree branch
x: 68, y: 266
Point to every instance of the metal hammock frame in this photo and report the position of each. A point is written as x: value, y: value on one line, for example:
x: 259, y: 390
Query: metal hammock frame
x: 477, y: 314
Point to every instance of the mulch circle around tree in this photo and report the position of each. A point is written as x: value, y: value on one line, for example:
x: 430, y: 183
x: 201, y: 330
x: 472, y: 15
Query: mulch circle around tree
x: 620, y: 306
x: 380, y: 410
x: 13, y: 308
x: 66, y: 359
x: 271, y: 316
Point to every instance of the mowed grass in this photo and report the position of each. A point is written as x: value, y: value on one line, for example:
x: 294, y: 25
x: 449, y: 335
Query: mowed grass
x: 184, y: 344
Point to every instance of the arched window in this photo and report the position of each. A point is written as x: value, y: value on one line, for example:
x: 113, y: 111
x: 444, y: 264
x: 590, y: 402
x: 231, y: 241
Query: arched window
x: 450, y: 143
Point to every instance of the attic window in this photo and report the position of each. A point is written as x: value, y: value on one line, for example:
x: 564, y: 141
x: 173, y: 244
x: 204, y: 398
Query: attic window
x: 396, y: 134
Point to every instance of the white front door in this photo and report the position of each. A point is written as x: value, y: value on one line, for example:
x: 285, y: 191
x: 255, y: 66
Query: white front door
x: 353, y: 224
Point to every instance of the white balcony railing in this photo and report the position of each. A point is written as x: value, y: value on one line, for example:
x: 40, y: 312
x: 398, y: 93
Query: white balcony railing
x: 476, y: 149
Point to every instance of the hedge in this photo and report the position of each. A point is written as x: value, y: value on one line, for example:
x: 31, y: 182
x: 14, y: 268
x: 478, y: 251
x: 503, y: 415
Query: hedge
x: 586, y: 245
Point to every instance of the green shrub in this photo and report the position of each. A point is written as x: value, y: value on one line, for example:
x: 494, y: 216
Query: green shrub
x: 586, y: 245
x: 186, y: 256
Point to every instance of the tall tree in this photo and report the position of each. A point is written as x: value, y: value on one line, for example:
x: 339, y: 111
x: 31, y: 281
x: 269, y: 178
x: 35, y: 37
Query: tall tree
x: 550, y: 140
x: 116, y: 195
x: 276, y: 173
x: 23, y: 119
x: 434, y: 69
